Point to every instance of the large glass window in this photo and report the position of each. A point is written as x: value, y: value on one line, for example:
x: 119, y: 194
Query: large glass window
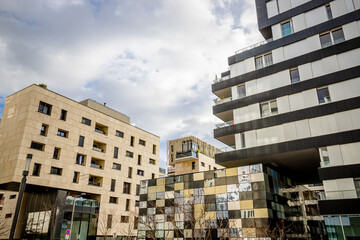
x: 268, y: 59
x: 286, y: 28
x: 328, y: 11
x: 323, y: 95
x: 241, y: 91
x: 259, y: 62
x: 268, y: 108
x: 263, y: 60
x: 294, y: 75
x: 332, y: 37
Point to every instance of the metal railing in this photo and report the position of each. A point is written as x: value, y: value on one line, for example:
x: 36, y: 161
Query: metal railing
x: 95, y: 166
x: 253, y: 46
x: 226, y: 149
x: 98, y: 149
x: 224, y: 124
x: 94, y: 183
x: 216, y: 80
x: 219, y: 101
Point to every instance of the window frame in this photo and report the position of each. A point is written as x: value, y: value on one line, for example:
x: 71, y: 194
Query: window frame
x: 119, y: 134
x: 282, y: 29
x: 326, y: 99
x: 45, y: 108
x: 35, y: 145
x: 56, y: 171
x: 86, y: 121
x: 140, y: 172
x: 294, y: 80
x: 332, y: 40
x: 238, y: 91
x: 56, y: 153
x: 36, y: 170
x: 263, y: 58
x: 127, y: 188
x: 116, y: 166
x: 81, y: 141
x: 62, y: 133
x: 44, y: 130
x: 63, y: 115
x: 269, y: 106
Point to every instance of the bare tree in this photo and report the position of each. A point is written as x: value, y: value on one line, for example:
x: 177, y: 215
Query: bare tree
x: 107, y: 221
x: 4, y: 226
x: 278, y: 230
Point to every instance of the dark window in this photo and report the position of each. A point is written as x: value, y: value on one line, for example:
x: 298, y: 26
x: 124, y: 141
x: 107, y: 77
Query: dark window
x: 338, y: 36
x: 124, y: 219
x: 109, y: 221
x: 37, y: 146
x: 55, y: 171
x: 8, y: 215
x: 113, y: 200
x: 139, y: 159
x: 62, y: 133
x: 242, y: 138
x: 332, y: 37
x: 294, y: 75
x: 63, y: 114
x: 76, y: 177
x: 119, y: 134
x: 260, y: 60
x: 56, y: 154
x: 140, y: 172
x: 325, y: 40
x: 81, y: 141
x: 130, y: 172
x: 193, y: 165
x: 86, y: 121
x: 172, y: 148
x: 36, y: 170
x: 13, y: 196
x: 127, y: 206
x: 154, y: 149
x: 80, y: 159
x: 129, y: 154
x: 137, y: 189
x: 202, y: 164
x: 132, y: 141
x: 44, y: 129
x: 116, y: 166
x: 152, y: 161
x: 153, y: 176
x: 112, y: 187
x: 268, y: 108
x: 328, y: 11
x: 45, y: 108
x: 127, y: 187
x: 323, y: 95
x: 142, y: 142
x: 116, y: 152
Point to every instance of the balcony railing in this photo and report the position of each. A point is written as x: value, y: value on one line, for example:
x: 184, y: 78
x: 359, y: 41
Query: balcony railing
x: 99, y: 131
x: 216, y: 80
x: 220, y: 101
x: 95, y: 166
x: 98, y: 149
x: 325, y: 164
x: 97, y: 184
x: 253, y: 46
x: 226, y: 149
x: 186, y: 154
x: 224, y: 124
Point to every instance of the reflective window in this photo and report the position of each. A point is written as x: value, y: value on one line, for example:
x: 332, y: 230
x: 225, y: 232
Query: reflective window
x: 294, y: 75
x: 323, y: 95
x: 286, y: 28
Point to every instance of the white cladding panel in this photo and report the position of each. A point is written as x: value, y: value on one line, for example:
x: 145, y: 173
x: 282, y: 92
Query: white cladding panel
x: 302, y: 128
x: 307, y: 45
x: 356, y: 3
x: 325, y: 66
x: 355, y: 118
x: 295, y: 3
x: 290, y: 131
x: 284, y: 5
x: 247, y: 113
x: 251, y: 88
x: 343, y: 121
x: 270, y: 135
x: 299, y: 22
x: 350, y: 153
x: 335, y: 156
x: 283, y: 104
x: 315, y: 16
x: 344, y: 90
x: 276, y: 31
x: 349, y: 59
x: 310, y: 98
x: 322, y: 125
x: 296, y: 101
x: 250, y: 139
x: 338, y: 8
x: 271, y: 8
x: 237, y: 69
x: 249, y: 64
x: 234, y: 94
x: 305, y: 72
x: 350, y: 5
x: 351, y: 30
x: 278, y: 55
x: 237, y: 141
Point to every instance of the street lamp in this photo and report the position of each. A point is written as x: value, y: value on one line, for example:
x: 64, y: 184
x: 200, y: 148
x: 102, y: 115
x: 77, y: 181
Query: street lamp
x: 21, y: 193
x: 73, y: 210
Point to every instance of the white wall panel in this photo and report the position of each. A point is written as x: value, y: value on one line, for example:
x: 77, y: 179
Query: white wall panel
x: 345, y: 184
x: 295, y: 3
x: 317, y: 68
x: 322, y: 125
x: 315, y: 16
x: 237, y: 141
x: 335, y: 156
x: 283, y: 104
x: 302, y: 47
x: 237, y: 69
x: 338, y: 8
x: 270, y: 135
x: 357, y: 4
x: 310, y: 98
x: 296, y: 101
x: 299, y: 22
x: 305, y: 72
x: 302, y: 128
x: 278, y: 55
x: 264, y: 84
x: 250, y: 139
x: 290, y: 131
x: 349, y: 59
x: 351, y: 30
x: 271, y: 8
x: 276, y: 31
x: 344, y: 90
x: 251, y: 88
x: 247, y: 113
x: 350, y: 153
x: 355, y: 118
x: 350, y: 5
x: 234, y: 92
x: 330, y: 185
x: 284, y: 5
x: 330, y: 64
x: 343, y: 121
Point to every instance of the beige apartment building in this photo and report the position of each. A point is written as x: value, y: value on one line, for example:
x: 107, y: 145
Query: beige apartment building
x: 83, y: 153
x: 190, y: 155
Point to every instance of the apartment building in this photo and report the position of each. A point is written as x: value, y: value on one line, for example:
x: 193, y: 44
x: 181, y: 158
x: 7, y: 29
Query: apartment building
x: 292, y: 102
x: 87, y: 159
x: 190, y: 154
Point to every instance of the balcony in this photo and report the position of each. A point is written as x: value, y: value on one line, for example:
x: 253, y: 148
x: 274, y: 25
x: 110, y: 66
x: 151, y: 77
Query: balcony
x: 95, y: 181
x: 97, y: 163
x: 99, y: 128
x: 253, y: 46
x: 99, y: 147
x: 226, y: 149
x: 224, y: 124
x: 224, y: 100
x: 216, y: 80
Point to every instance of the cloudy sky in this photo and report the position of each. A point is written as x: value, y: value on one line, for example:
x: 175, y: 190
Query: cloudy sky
x: 154, y: 60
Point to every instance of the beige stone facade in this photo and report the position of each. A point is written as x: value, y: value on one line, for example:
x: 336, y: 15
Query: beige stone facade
x: 190, y: 154
x: 78, y: 147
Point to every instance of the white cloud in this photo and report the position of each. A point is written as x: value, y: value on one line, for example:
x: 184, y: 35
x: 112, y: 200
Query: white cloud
x: 152, y: 60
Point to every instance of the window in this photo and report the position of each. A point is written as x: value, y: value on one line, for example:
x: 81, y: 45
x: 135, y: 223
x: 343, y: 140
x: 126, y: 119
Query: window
x: 116, y: 152
x: 112, y: 186
x: 323, y: 95
x: 62, y: 133
x: 109, y: 221
x: 193, y: 165
x: 241, y: 91
x: 45, y: 108
x: 332, y: 37
x: 113, y: 200
x: 286, y: 28
x: 127, y: 206
x: 124, y: 219
x: 328, y: 11
x: 86, y: 121
x: 130, y: 172
x: 116, y: 166
x: 325, y: 157
x: 294, y: 75
x: 55, y: 171
x: 153, y: 176
x: 56, y: 154
x: 129, y: 154
x: 268, y: 108
x: 8, y: 215
x: 139, y: 159
x: 140, y: 172
x: 127, y: 187
x: 137, y: 189
x: 357, y: 187
x: 44, y: 129
x: 172, y: 148
x: 80, y: 159
x: 13, y: 196
x: 132, y: 141
x: 63, y: 115
x: 154, y: 149
x: 260, y: 60
x: 36, y: 169
x: 81, y: 141
x: 37, y: 146
x: 142, y: 142
x: 119, y: 134
x: 242, y: 139
x: 202, y: 164
x: 76, y: 177
x: 152, y: 161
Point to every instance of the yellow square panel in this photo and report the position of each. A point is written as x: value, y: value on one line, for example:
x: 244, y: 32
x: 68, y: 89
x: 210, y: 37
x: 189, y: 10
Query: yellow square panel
x: 187, y: 233
x: 210, y: 215
x: 247, y: 204
x: 160, y: 181
x: 152, y: 189
x: 234, y: 205
x: 160, y: 203
x: 151, y: 196
x: 235, y: 223
x: 199, y: 210
x: 160, y: 188
x: 188, y: 192
x: 231, y: 172
x: 249, y: 232
x: 261, y: 213
x: 179, y: 186
x: 199, y: 224
x: 198, y: 176
x: 257, y: 177
x: 220, y: 189
x: 209, y: 190
x: 169, y: 195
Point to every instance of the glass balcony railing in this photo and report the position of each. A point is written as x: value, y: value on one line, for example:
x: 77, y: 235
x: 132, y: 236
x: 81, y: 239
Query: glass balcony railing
x: 216, y: 80
x: 220, y: 101
x: 97, y: 184
x: 226, y: 149
x: 94, y: 165
x: 325, y: 164
x: 99, y: 131
x: 98, y: 149
x: 224, y: 124
x: 253, y: 46
x: 186, y: 154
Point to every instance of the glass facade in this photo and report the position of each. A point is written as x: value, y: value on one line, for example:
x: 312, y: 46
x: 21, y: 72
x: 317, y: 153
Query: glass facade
x: 343, y: 227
